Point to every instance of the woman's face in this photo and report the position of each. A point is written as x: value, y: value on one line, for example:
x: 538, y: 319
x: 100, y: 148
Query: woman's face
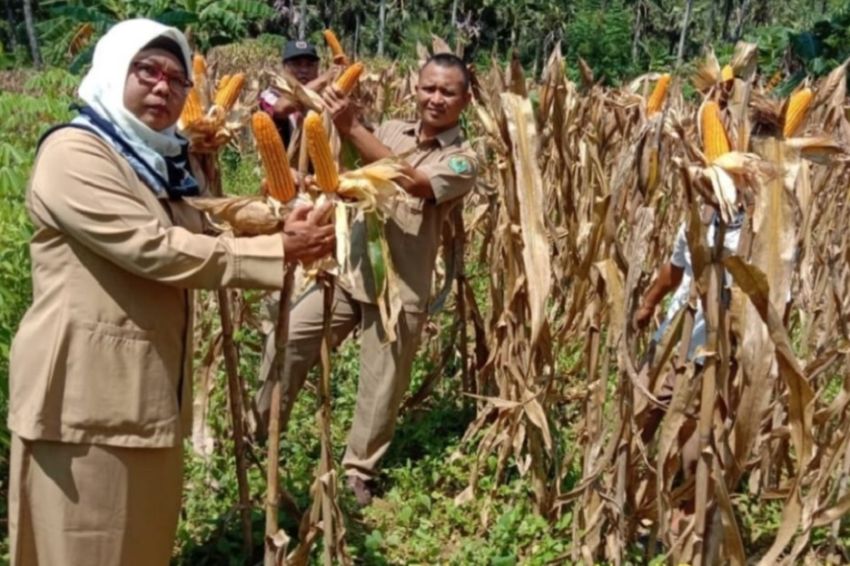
x: 156, y: 88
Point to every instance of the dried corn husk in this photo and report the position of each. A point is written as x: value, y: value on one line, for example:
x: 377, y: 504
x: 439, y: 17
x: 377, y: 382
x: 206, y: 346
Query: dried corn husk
x: 211, y: 126
x: 244, y: 216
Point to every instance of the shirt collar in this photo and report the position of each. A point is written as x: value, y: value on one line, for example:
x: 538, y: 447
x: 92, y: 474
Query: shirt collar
x: 444, y: 138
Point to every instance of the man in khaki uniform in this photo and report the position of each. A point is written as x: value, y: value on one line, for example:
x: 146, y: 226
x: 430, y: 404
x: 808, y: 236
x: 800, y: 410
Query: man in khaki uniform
x: 441, y: 169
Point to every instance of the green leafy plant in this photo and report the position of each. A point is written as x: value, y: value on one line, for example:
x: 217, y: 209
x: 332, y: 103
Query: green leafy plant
x: 207, y: 23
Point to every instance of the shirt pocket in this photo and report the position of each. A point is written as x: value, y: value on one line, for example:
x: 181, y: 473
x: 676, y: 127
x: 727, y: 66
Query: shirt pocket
x: 408, y: 215
x: 117, y: 380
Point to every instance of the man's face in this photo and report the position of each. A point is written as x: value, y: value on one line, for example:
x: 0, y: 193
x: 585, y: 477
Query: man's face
x: 305, y: 69
x: 440, y: 96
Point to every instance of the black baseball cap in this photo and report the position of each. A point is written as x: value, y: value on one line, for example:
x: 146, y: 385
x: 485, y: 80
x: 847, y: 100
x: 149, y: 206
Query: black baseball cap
x: 295, y: 48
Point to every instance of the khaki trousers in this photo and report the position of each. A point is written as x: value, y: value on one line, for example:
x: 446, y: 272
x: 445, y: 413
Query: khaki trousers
x: 92, y: 505
x: 384, y: 369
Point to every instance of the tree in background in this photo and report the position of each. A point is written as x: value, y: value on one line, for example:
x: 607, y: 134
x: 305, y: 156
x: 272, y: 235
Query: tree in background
x: 29, y: 22
x: 616, y: 38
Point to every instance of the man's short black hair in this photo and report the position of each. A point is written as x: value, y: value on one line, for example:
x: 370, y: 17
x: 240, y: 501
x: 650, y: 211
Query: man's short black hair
x: 450, y: 60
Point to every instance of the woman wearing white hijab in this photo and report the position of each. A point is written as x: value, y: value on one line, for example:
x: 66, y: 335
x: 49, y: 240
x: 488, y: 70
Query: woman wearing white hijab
x: 100, y: 369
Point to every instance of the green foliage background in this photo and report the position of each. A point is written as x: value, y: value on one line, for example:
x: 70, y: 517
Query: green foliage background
x: 617, y: 38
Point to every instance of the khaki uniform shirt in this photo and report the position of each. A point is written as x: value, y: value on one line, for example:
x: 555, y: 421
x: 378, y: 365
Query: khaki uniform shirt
x: 413, y: 230
x: 103, y: 355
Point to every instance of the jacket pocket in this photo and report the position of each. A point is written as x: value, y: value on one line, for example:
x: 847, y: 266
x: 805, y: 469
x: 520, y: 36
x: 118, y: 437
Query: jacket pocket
x: 117, y: 380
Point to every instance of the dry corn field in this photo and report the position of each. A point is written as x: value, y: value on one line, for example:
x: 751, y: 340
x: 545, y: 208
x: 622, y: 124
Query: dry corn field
x: 581, y: 193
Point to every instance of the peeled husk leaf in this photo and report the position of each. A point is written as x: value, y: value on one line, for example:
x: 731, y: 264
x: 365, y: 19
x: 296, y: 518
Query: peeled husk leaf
x: 643, y: 83
x: 746, y: 164
x: 373, y: 186
x: 834, y: 84
x: 767, y: 112
x: 218, y: 127
x: 290, y: 87
x: 245, y: 215
x: 744, y: 60
x: 708, y: 73
x: 370, y: 188
x: 724, y: 191
x: 734, y: 178
x: 821, y: 150
x: 439, y: 45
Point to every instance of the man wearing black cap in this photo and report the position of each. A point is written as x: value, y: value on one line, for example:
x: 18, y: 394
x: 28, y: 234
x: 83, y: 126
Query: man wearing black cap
x: 301, y: 60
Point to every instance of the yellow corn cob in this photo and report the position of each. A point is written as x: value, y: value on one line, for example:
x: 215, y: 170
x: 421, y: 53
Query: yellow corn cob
x: 714, y: 140
x: 336, y: 48
x: 199, y: 67
x: 348, y: 79
x: 727, y: 73
x: 192, y: 109
x: 228, y: 93
x: 279, y: 181
x: 222, y: 82
x: 81, y: 38
x: 798, y: 106
x: 319, y: 149
x: 659, y: 93
x: 774, y: 81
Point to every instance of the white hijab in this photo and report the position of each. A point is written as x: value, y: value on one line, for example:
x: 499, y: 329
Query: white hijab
x: 103, y: 87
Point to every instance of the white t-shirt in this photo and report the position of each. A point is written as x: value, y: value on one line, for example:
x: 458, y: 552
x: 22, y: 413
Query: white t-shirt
x: 681, y: 257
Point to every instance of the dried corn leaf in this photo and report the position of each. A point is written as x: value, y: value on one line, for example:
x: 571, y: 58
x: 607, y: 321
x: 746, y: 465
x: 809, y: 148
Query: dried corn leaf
x: 373, y: 186
x: 535, y: 251
x: 439, y: 45
x: 725, y: 191
x: 744, y: 60
x: 820, y: 150
x: 708, y: 73
x: 800, y: 408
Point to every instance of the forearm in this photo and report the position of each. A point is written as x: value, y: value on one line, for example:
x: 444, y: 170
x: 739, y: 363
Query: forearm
x: 369, y: 147
x: 668, y: 279
x: 322, y: 80
x: 654, y: 295
x: 283, y: 107
x: 206, y: 262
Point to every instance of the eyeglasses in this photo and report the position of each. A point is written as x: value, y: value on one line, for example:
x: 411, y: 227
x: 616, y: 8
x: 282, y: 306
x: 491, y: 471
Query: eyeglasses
x: 152, y: 74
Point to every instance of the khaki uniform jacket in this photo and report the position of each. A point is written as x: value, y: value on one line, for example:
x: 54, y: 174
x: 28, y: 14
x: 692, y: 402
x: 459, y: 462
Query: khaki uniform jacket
x: 103, y: 355
x: 413, y: 231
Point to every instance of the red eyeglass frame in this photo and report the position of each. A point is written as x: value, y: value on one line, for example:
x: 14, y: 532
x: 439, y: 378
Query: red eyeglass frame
x: 157, y: 74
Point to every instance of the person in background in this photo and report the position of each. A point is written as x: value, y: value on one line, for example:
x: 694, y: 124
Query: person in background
x: 301, y: 60
x: 100, y: 368
x: 677, y: 275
